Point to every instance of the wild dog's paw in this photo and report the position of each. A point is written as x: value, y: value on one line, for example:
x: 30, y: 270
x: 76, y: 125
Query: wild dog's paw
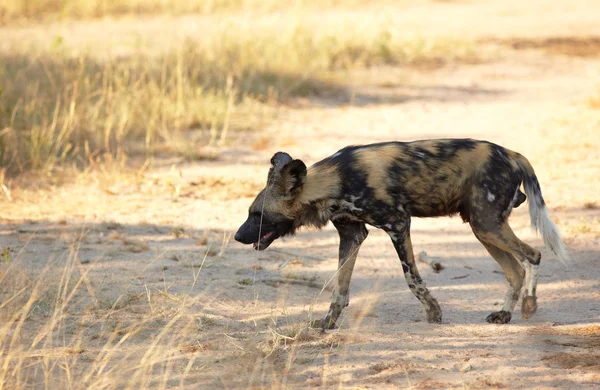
x: 434, y: 316
x: 434, y: 312
x: 528, y: 307
x: 324, y: 323
x: 328, y: 321
x: 499, y: 317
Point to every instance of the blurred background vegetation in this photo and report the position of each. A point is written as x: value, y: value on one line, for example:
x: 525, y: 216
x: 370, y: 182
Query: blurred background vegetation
x: 70, y: 99
x: 40, y: 9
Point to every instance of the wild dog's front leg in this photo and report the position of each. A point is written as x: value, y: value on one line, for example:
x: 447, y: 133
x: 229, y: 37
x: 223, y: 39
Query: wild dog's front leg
x: 400, y: 235
x: 352, y: 234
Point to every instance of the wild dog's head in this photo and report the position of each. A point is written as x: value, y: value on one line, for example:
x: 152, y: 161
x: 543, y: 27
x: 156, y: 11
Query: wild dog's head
x: 272, y: 214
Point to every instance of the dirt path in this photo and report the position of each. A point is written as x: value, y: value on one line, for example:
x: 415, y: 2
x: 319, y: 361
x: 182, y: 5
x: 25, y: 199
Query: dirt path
x: 142, y: 242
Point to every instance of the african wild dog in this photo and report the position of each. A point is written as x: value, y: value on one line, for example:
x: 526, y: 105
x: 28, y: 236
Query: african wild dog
x: 386, y: 184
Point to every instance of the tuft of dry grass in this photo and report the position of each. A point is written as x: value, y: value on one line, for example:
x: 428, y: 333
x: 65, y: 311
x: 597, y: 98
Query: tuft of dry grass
x: 585, y: 226
x: 134, y: 245
x: 203, y: 239
x: 585, y: 46
x: 246, y: 282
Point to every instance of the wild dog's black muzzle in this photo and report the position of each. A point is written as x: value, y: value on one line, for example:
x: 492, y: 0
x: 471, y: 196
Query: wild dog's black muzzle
x: 245, y: 234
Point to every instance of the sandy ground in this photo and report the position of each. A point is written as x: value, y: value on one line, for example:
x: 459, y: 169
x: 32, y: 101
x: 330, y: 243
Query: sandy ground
x: 147, y: 236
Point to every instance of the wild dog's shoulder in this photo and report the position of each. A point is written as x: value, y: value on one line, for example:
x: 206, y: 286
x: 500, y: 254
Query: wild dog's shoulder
x: 348, y: 155
x: 340, y: 158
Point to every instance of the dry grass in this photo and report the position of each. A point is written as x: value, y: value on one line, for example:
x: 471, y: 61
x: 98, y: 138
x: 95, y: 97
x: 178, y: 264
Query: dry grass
x: 585, y: 46
x: 67, y: 103
x: 585, y: 226
x: 20, y: 9
x: 57, y: 107
x: 11, y: 10
x: 63, y: 328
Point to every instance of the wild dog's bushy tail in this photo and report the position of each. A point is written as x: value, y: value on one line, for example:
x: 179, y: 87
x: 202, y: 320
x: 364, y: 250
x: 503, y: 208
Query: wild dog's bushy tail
x: 540, y: 221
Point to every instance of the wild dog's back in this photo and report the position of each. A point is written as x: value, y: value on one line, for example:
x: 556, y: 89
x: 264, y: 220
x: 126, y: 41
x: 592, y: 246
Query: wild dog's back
x: 430, y: 178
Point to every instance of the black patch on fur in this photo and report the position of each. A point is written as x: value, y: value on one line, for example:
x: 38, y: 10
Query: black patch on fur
x: 521, y: 197
x: 537, y: 191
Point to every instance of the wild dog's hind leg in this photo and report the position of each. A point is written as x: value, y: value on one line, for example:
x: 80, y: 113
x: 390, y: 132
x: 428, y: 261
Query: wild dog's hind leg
x: 504, y: 238
x: 514, y: 275
x: 400, y: 235
x: 352, y: 234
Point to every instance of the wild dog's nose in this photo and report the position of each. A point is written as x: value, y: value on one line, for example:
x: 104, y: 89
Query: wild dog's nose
x: 244, y: 234
x: 238, y: 236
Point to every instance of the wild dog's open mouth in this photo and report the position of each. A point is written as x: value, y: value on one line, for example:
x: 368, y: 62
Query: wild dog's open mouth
x: 264, y: 241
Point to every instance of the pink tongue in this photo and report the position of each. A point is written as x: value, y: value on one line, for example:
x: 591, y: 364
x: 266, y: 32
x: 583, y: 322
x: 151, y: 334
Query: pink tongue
x: 255, y: 244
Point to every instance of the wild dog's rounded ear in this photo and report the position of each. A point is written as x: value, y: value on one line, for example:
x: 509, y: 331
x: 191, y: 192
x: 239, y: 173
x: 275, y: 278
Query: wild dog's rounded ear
x: 292, y: 178
x: 279, y: 159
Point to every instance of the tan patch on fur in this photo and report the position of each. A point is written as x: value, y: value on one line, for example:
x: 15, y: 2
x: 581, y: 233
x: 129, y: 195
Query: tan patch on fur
x: 518, y: 160
x: 321, y: 182
x: 258, y: 201
x: 513, y: 157
x: 269, y: 201
x: 376, y: 163
x: 458, y: 169
x: 469, y: 162
x: 506, y: 240
x: 472, y: 160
